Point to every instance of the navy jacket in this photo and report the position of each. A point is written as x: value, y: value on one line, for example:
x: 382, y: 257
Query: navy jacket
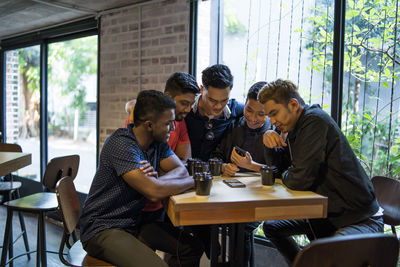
x: 202, y: 148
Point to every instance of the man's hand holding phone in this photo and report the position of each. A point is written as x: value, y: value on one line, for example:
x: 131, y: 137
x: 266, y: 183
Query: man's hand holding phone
x: 241, y: 158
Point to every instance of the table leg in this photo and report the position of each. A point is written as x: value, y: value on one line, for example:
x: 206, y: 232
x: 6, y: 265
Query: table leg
x: 239, y: 248
x: 214, y: 245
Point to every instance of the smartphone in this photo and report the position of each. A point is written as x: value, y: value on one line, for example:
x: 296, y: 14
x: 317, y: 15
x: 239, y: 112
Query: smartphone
x: 240, y: 151
x: 233, y: 183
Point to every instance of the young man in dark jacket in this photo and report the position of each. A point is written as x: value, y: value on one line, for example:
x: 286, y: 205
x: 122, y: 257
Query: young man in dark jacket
x: 322, y: 161
x: 246, y: 133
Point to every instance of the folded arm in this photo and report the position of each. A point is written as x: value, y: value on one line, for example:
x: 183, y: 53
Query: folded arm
x: 175, y: 180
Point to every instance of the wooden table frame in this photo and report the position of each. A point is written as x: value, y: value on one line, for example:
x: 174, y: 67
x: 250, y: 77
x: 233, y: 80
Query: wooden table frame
x: 237, y: 206
x: 12, y: 161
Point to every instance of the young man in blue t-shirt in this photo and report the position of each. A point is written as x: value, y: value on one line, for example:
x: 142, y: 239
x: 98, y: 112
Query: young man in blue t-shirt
x: 129, y: 172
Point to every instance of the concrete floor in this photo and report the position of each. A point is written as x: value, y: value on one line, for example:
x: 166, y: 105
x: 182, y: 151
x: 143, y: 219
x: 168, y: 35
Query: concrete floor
x: 264, y: 256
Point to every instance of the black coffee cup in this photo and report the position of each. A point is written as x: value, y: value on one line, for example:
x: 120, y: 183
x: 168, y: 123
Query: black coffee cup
x: 200, y: 166
x: 215, y: 166
x: 190, y: 165
x: 203, y: 183
x: 267, y: 176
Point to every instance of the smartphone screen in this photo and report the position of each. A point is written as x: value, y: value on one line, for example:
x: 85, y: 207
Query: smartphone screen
x: 240, y: 151
x: 233, y: 183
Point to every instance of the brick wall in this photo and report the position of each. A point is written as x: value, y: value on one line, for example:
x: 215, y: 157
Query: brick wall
x: 12, y: 95
x: 140, y: 46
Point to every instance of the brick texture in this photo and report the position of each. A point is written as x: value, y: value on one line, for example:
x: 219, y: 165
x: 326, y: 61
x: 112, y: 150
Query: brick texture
x: 125, y: 69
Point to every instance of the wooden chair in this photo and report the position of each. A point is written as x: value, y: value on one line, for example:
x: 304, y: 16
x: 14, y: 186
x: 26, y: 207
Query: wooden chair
x: 374, y: 250
x: 387, y: 191
x: 39, y: 203
x: 68, y: 204
x: 10, y: 190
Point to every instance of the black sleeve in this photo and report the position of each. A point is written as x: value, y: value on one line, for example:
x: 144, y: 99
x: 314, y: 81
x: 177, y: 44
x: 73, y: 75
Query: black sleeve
x: 308, y: 154
x: 224, y: 148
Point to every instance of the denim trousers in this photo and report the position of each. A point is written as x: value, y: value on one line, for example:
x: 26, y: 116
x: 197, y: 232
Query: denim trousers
x: 280, y: 232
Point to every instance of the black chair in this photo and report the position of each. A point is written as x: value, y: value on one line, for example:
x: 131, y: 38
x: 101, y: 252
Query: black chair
x: 39, y: 203
x: 10, y: 190
x: 68, y: 204
x: 373, y: 250
x: 387, y: 191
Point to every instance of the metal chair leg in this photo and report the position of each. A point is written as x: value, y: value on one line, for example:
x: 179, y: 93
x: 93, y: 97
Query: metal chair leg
x: 38, y: 243
x: 23, y: 228
x: 7, y: 237
x: 42, y: 236
x: 24, y: 234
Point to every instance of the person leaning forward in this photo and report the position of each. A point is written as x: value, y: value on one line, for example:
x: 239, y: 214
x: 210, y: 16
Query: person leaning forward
x: 320, y: 160
x: 128, y: 174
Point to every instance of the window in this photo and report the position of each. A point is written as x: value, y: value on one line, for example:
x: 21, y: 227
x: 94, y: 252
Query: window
x: 293, y: 39
x: 71, y: 104
x: 51, y: 98
x: 370, y: 87
x: 265, y: 40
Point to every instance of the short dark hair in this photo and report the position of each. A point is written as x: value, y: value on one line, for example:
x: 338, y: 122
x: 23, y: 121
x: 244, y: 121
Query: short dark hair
x: 254, y: 89
x: 281, y: 91
x: 181, y: 83
x: 218, y: 76
x: 150, y: 104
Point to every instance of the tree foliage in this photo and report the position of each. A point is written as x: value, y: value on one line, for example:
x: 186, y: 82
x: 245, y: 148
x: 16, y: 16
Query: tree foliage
x: 371, y: 66
x: 69, y: 64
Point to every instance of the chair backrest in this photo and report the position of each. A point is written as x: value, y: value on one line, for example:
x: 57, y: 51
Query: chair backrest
x: 60, y: 167
x: 374, y: 250
x: 68, y: 203
x: 387, y: 191
x: 6, y: 147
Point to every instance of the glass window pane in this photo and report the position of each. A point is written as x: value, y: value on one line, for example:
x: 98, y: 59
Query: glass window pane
x: 72, y: 101
x: 371, y: 92
x: 23, y: 104
x: 266, y: 40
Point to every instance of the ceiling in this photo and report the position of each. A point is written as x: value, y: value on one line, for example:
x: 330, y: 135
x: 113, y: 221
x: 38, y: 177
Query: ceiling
x: 22, y: 16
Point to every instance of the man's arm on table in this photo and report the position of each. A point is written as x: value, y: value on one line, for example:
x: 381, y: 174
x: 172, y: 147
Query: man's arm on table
x: 175, y: 180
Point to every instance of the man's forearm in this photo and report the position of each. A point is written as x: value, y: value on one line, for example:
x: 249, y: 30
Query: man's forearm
x: 177, y: 173
x: 171, y: 186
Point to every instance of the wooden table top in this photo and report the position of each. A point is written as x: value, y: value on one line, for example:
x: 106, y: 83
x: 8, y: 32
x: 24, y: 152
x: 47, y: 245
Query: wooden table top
x: 12, y: 161
x: 248, y: 204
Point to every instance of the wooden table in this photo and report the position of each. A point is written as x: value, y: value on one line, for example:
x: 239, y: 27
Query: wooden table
x: 12, y: 161
x: 252, y: 203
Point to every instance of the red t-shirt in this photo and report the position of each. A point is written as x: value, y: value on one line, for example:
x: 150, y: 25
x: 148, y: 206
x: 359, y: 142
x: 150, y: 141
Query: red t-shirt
x: 176, y: 138
x: 179, y: 136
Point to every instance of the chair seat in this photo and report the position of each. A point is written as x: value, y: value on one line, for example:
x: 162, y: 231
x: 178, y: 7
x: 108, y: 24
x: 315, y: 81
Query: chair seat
x: 9, y: 186
x: 77, y: 256
x: 42, y: 201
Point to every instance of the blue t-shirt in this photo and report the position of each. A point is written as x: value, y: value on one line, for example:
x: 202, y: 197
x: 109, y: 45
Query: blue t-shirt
x: 201, y: 147
x: 111, y: 202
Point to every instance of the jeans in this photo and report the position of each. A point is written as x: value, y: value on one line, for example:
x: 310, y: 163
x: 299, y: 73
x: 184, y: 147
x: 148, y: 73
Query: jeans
x: 135, y: 247
x: 280, y: 232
